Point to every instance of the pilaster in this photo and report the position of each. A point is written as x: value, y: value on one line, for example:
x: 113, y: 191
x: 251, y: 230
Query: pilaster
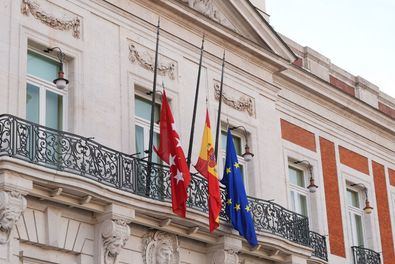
x: 13, y: 187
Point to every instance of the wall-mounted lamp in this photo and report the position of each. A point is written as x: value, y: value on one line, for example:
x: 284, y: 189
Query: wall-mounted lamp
x: 367, y: 209
x: 60, y: 82
x: 312, y: 187
x: 247, y: 155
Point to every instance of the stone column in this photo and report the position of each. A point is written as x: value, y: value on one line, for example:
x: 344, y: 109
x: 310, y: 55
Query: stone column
x: 111, y: 233
x: 12, y: 205
x: 226, y: 252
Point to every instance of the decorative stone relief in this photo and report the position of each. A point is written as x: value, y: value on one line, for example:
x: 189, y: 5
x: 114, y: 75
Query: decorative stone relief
x: 243, y: 103
x: 160, y: 248
x: 12, y: 205
x: 115, y: 233
x: 208, y: 8
x: 33, y: 8
x: 226, y: 256
x: 146, y: 58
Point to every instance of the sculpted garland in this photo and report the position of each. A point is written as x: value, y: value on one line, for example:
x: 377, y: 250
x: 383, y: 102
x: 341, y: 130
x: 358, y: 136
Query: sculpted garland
x: 29, y: 6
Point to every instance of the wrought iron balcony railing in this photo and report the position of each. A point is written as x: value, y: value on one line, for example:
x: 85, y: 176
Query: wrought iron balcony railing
x: 365, y: 256
x: 318, y: 243
x: 67, y: 152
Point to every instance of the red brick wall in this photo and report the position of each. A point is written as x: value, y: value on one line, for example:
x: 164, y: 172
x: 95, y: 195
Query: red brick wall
x: 331, y: 185
x: 354, y: 160
x: 385, y: 109
x: 383, y: 212
x: 298, y: 135
x: 392, y: 176
x: 342, y: 85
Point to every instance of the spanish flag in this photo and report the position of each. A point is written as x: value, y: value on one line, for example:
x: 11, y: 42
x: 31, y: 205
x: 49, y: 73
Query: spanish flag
x: 207, y: 166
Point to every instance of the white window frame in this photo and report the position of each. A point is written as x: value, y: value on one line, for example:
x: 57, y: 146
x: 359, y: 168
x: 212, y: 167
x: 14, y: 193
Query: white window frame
x: 44, y: 86
x: 299, y: 190
x: 351, y: 211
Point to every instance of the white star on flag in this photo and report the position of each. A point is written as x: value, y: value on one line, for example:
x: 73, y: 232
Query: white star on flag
x: 173, y: 126
x: 178, y: 143
x: 179, y: 176
x: 171, y: 160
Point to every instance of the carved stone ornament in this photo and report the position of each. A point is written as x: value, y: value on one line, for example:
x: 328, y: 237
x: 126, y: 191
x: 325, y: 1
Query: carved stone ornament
x: 115, y: 233
x: 208, y: 8
x: 160, y: 248
x: 145, y: 58
x: 227, y: 256
x: 244, y: 103
x: 29, y: 6
x: 12, y: 205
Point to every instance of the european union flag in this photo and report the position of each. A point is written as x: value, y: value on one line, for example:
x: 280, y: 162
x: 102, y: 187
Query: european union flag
x: 237, y: 207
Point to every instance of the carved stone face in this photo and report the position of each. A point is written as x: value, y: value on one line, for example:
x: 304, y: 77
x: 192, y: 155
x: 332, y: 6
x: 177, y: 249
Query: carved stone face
x: 8, y: 218
x: 164, y: 253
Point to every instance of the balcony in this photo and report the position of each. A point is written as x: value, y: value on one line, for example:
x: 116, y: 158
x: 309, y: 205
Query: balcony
x: 365, y: 256
x: 67, y: 152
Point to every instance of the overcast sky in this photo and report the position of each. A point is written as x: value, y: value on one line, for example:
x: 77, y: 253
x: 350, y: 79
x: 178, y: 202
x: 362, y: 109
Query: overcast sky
x: 356, y: 35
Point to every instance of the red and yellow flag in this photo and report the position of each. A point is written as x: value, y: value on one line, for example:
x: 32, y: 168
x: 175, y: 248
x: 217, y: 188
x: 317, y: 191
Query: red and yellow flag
x: 207, y: 166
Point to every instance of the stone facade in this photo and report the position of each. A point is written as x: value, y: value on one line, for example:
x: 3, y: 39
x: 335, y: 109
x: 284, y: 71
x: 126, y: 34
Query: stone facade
x: 294, y: 103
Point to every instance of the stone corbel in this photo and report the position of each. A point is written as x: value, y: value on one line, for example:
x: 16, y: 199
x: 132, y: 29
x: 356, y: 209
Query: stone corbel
x: 115, y: 233
x: 33, y: 8
x: 226, y: 252
x: 12, y: 205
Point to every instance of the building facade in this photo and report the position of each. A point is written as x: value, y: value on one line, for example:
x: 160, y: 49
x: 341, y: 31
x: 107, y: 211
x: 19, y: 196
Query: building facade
x: 73, y: 172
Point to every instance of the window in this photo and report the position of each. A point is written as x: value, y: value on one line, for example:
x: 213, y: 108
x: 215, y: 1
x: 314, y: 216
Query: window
x: 45, y: 104
x: 355, y: 215
x: 237, y: 141
x: 299, y: 193
x: 142, y: 126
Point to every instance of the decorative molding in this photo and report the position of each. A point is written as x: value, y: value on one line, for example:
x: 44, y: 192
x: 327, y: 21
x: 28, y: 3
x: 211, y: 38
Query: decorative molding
x: 244, y: 103
x: 12, y: 205
x: 160, y: 248
x: 145, y: 58
x: 30, y: 6
x: 209, y: 9
x: 115, y: 233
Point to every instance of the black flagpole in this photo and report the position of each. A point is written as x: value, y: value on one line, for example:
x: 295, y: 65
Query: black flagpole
x: 151, y: 134
x: 219, y: 108
x: 195, y: 105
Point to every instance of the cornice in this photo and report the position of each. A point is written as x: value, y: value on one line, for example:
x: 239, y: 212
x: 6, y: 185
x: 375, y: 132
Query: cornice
x: 337, y: 98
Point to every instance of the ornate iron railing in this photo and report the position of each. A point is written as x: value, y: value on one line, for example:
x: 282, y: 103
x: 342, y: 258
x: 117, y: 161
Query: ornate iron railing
x: 318, y: 243
x: 68, y: 152
x: 365, y: 256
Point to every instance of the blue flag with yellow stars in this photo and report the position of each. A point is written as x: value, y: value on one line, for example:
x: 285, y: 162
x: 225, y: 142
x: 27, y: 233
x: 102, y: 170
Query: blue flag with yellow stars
x: 237, y: 207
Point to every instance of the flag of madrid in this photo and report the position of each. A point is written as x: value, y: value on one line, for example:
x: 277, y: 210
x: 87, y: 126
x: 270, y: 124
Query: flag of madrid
x: 170, y: 151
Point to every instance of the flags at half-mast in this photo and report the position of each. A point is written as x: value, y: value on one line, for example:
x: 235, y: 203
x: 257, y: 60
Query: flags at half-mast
x: 207, y: 166
x: 170, y: 151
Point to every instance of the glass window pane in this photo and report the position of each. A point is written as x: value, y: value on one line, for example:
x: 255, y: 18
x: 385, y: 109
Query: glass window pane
x: 293, y: 201
x: 302, y: 204
x: 353, y: 198
x: 139, y: 137
x: 296, y: 176
x: 359, y: 230
x: 54, y: 110
x: 155, y: 157
x: 32, y: 103
x: 42, y: 67
x: 143, y: 109
x: 236, y: 142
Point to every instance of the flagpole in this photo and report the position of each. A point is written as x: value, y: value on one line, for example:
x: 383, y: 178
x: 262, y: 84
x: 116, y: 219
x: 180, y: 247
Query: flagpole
x: 219, y: 107
x: 195, y: 106
x: 151, y: 135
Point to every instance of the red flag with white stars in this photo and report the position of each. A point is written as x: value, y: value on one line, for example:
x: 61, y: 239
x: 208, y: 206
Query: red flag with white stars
x: 170, y: 151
